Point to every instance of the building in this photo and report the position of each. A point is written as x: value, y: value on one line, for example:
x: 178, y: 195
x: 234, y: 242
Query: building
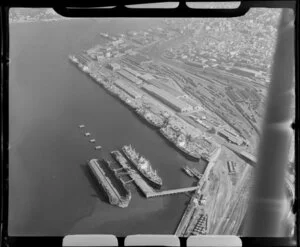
x: 171, y: 90
x: 230, y: 137
x: 146, y: 77
x: 133, y: 72
x: 168, y: 99
x: 196, y: 105
x: 129, y: 77
x: 126, y: 87
x: 246, y: 72
x: 113, y: 66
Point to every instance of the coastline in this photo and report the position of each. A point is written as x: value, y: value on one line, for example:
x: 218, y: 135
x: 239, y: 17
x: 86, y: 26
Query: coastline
x: 40, y: 20
x: 110, y: 90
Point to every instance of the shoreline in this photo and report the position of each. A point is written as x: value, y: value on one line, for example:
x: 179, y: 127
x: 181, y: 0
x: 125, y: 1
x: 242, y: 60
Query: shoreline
x: 109, y: 89
x: 40, y: 20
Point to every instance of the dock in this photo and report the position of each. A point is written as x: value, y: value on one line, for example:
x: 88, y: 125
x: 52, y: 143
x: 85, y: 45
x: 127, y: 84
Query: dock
x: 171, y: 192
x: 138, y: 180
x: 189, y: 222
x: 146, y: 189
x: 112, y: 193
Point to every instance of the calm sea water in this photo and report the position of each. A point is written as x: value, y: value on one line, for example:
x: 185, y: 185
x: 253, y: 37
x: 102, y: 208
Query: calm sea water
x: 50, y: 191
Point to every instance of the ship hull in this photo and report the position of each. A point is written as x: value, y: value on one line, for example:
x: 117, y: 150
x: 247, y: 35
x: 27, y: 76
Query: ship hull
x: 149, y: 180
x: 186, y: 154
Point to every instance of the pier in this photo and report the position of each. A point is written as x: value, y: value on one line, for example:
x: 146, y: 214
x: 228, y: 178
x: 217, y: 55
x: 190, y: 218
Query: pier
x: 187, y: 223
x: 171, y: 192
x: 145, y: 188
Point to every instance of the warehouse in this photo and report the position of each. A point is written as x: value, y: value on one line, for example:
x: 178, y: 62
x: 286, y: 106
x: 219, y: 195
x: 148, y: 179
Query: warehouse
x: 133, y: 72
x: 130, y: 77
x: 171, y: 90
x: 168, y: 99
x: 135, y: 93
x: 230, y: 137
x: 196, y: 105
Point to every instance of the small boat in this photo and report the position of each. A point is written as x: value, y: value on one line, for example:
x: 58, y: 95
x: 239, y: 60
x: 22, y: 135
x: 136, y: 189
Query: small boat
x: 187, y: 171
x: 87, y: 134
x: 92, y: 140
x: 98, y: 147
x: 81, y: 126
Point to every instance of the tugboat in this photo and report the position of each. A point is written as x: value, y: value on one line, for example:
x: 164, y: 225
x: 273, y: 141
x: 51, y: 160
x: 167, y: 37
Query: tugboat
x: 98, y: 147
x: 87, y: 134
x: 92, y: 140
x: 81, y: 126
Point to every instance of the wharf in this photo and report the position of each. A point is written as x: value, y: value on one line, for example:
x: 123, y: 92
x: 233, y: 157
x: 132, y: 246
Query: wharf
x: 112, y: 193
x: 140, y: 182
x: 187, y: 217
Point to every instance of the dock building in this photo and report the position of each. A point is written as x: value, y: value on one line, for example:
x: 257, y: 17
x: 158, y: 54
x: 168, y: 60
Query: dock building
x: 133, y: 92
x: 125, y: 74
x: 112, y: 194
x: 168, y: 99
x: 231, y: 137
x: 196, y: 105
x: 113, y: 66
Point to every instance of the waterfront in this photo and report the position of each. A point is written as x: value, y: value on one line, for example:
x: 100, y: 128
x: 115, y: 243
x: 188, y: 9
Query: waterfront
x: 49, y: 97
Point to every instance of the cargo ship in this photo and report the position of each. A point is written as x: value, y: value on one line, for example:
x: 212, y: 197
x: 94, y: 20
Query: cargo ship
x: 143, y: 165
x: 112, y: 193
x: 149, y: 118
x: 188, y: 154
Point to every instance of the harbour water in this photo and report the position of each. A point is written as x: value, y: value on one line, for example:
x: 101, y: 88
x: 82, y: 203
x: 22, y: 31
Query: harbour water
x: 49, y: 191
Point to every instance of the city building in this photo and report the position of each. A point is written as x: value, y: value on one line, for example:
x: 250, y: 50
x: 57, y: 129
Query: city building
x: 168, y: 99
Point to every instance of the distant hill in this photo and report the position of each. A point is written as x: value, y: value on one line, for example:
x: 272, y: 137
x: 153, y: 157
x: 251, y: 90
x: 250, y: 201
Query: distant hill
x: 32, y: 14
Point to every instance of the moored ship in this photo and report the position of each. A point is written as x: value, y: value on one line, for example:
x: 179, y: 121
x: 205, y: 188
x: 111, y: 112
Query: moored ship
x: 143, y: 165
x: 189, y: 154
x: 125, y: 191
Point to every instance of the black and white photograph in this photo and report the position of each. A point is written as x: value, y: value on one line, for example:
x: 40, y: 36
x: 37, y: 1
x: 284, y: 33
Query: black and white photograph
x: 139, y: 125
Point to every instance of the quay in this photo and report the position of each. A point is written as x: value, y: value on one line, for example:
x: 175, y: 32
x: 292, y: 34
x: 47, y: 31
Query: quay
x: 138, y: 180
x: 112, y: 193
x: 171, y: 192
x: 189, y: 220
x: 146, y: 189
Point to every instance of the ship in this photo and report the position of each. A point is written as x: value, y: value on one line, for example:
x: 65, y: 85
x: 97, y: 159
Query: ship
x: 143, y: 165
x: 98, y: 147
x: 187, y: 153
x: 81, y: 126
x: 92, y: 140
x: 73, y: 59
x: 148, y: 118
x: 187, y: 171
x: 87, y: 134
